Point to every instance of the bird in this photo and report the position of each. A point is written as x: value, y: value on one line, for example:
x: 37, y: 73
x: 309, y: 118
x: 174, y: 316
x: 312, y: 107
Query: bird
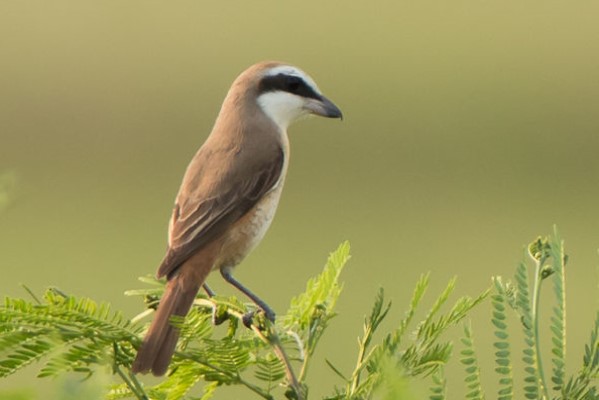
x: 229, y: 194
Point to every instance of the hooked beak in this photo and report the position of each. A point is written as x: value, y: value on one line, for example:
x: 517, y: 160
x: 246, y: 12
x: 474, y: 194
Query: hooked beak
x: 323, y: 107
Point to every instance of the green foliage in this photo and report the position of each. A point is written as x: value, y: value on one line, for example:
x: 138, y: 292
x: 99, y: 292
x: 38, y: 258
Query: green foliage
x: 579, y: 385
x: 311, y: 311
x: 558, y: 319
x: 66, y: 334
x: 17, y: 395
x: 471, y: 364
x: 523, y: 302
x: 73, y: 334
x: 438, y: 386
x: 547, y: 259
x: 401, y: 357
x: 503, y: 364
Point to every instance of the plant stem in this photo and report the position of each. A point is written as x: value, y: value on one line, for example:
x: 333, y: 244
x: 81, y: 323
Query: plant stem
x: 303, y: 354
x: 356, y: 374
x: 307, y: 352
x: 273, y: 339
x: 535, y: 317
x: 135, y: 388
x: 33, y: 296
x: 237, y: 377
x: 131, y: 381
x: 138, y: 385
x: 359, y: 363
x: 304, y: 369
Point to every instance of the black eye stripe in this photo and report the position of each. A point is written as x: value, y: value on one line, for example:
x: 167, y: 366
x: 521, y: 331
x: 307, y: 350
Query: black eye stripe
x: 287, y: 83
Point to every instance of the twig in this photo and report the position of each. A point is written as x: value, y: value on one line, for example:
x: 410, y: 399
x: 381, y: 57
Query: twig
x: 236, y: 377
x: 33, y: 296
x: 138, y: 385
x: 131, y: 382
x: 535, y: 317
x: 269, y: 336
x: 273, y: 339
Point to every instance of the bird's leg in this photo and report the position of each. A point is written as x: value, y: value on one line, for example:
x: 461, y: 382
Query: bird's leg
x: 208, y: 291
x: 217, y: 317
x: 268, y: 312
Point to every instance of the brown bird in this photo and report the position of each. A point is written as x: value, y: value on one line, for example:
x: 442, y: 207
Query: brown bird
x: 229, y: 194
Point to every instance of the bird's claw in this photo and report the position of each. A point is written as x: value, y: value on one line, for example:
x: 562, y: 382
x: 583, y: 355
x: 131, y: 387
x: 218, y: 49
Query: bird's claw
x: 219, y: 316
x: 248, y: 318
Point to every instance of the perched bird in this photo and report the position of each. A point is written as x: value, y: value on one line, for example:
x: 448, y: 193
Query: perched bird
x: 229, y: 194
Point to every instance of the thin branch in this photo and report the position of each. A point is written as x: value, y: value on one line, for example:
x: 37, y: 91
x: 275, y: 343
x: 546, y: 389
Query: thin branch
x: 269, y: 336
x: 138, y: 385
x: 131, y: 382
x: 535, y: 317
x: 132, y: 386
x: 30, y: 292
x: 236, y: 377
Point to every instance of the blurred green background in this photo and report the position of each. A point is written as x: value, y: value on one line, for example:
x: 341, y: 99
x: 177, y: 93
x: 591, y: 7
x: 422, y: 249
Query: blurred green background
x: 470, y: 128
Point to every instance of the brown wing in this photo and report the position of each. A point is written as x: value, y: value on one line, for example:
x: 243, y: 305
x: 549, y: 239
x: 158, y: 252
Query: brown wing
x: 200, y: 218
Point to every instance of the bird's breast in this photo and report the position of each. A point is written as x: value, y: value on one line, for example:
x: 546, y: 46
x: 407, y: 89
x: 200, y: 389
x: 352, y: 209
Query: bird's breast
x: 249, y: 230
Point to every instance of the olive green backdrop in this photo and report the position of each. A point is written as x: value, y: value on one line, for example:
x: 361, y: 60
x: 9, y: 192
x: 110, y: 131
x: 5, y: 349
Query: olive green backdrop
x: 470, y: 127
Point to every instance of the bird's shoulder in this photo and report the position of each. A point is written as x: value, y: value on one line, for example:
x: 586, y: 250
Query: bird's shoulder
x: 217, y: 170
x: 218, y: 189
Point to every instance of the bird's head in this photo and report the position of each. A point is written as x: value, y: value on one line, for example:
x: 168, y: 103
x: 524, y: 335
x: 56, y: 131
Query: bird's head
x: 284, y: 93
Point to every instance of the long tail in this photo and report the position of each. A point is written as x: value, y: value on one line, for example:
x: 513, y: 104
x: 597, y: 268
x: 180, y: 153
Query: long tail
x: 159, y: 344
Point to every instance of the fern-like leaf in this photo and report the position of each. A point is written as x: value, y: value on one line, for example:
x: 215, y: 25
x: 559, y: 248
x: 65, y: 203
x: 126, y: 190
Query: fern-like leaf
x: 439, y: 387
x: 429, y: 330
x: 393, y: 340
x: 558, y: 320
x: 426, y: 326
x: 321, y: 292
x: 80, y: 334
x: 180, y: 382
x: 19, y: 348
x: 531, y: 388
x: 118, y: 392
x: 503, y: 364
x: 371, y: 323
x: 208, y: 390
x: 269, y: 369
x: 578, y: 387
x: 424, y: 356
x: 311, y: 311
x: 591, y: 351
x: 470, y: 363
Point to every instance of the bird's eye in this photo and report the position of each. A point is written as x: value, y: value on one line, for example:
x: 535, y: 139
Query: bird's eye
x: 293, y: 84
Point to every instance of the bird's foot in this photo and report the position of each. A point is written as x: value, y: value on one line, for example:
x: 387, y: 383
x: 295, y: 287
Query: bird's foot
x: 248, y: 317
x: 219, y: 315
x: 269, y: 314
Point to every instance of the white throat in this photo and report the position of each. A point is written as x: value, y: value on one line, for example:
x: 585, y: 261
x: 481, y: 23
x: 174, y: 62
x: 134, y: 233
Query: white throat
x: 282, y: 107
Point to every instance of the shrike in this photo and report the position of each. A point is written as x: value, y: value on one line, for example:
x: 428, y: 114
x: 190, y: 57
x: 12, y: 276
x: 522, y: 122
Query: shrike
x: 229, y: 194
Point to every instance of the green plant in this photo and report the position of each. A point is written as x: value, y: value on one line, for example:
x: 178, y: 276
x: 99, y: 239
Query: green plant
x: 79, y: 335
x: 401, y: 355
x: 547, y: 260
x: 69, y: 334
x: 76, y: 335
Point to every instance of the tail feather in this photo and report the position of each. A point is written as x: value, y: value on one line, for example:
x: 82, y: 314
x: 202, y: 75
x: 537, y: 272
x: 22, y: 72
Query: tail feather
x: 160, y: 341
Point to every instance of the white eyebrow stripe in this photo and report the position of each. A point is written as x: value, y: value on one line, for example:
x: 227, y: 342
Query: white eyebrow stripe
x: 294, y: 71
